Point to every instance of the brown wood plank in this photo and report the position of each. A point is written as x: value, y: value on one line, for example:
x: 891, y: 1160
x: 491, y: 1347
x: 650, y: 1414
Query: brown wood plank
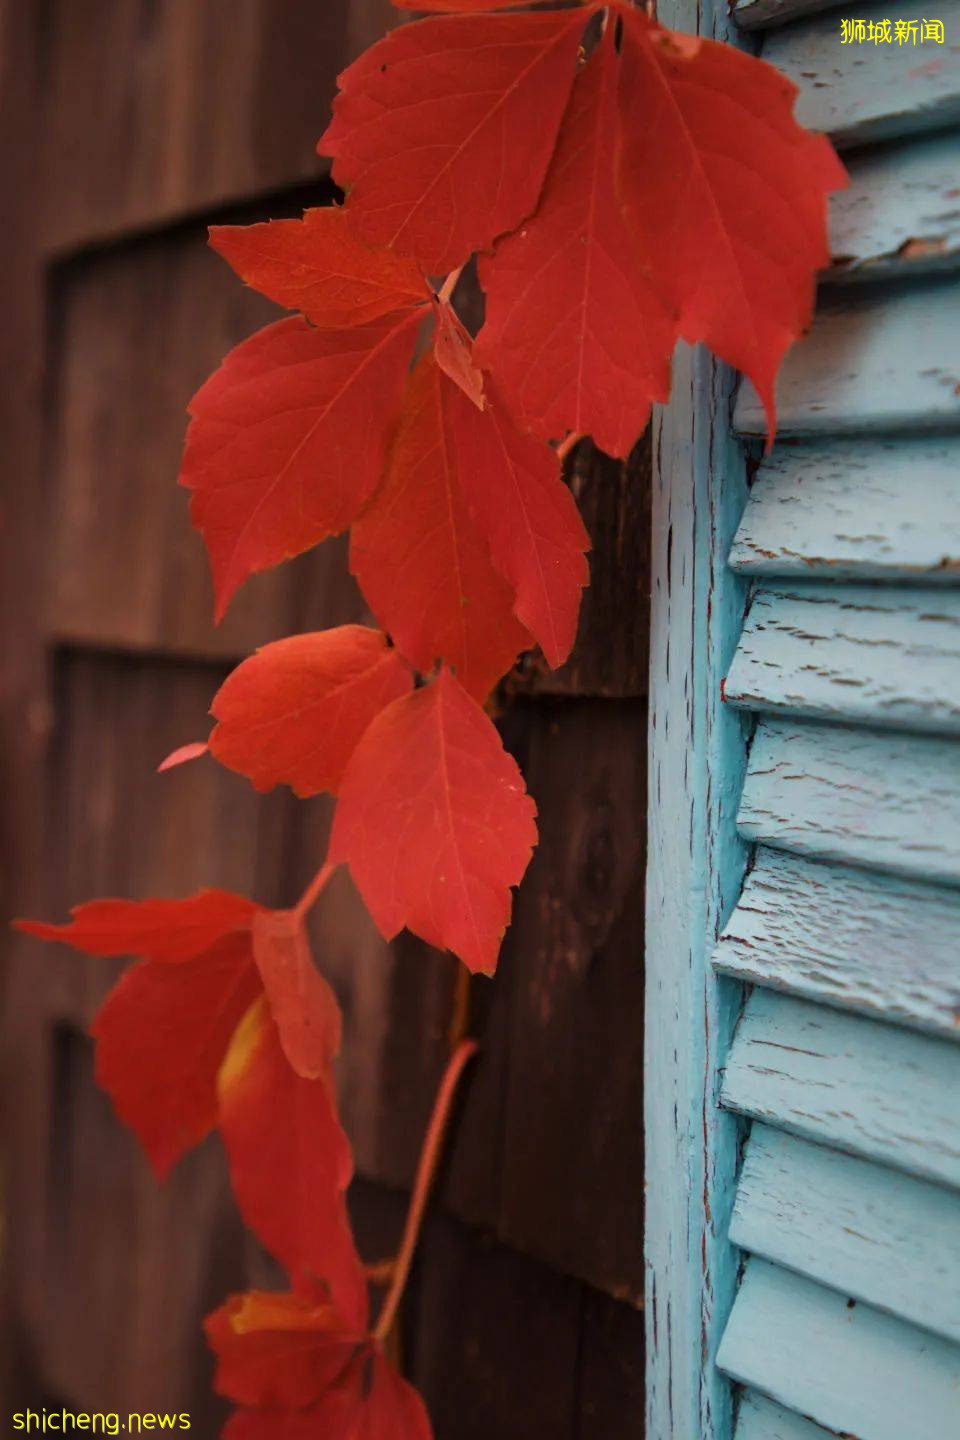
x: 611, y: 1390
x: 492, y: 1340
x: 121, y: 1270
x: 139, y: 328
x: 572, y: 1186
x: 612, y: 650
x: 156, y: 110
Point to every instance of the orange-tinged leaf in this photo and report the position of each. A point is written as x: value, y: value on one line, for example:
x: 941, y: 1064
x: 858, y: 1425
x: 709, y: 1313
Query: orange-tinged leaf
x: 423, y: 567
x: 453, y: 352
x: 288, y: 440
x: 293, y: 712
x: 443, y: 130
x: 318, y: 266
x: 370, y: 1402
x: 280, y: 1350
x: 301, y: 1001
x: 435, y: 824
x: 170, y: 930
x: 726, y: 194
x: 576, y: 336
x: 161, y: 1037
x: 290, y: 1163
x: 529, y: 519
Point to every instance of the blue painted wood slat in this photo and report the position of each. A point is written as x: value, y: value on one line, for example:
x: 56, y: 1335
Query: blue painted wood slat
x: 868, y: 797
x: 863, y: 1229
x: 874, y: 361
x: 875, y: 655
x: 849, y: 1368
x: 848, y: 937
x: 862, y: 92
x: 873, y: 1090
x: 867, y: 509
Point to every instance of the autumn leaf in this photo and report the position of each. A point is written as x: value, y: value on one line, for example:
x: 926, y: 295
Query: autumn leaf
x: 528, y: 517
x: 279, y: 1349
x: 301, y: 1001
x: 442, y: 131
x: 423, y: 568
x: 304, y: 1375
x: 318, y: 266
x: 453, y: 352
x: 575, y: 335
x: 290, y: 1162
x: 288, y: 440
x: 293, y: 712
x: 725, y: 193
x: 161, y: 1036
x: 435, y: 824
x: 167, y: 930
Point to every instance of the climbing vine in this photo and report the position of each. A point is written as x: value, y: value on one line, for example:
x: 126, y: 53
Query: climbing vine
x: 621, y: 187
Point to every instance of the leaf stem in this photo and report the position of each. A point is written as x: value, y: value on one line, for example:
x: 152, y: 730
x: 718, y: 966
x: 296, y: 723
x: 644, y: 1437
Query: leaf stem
x: 449, y: 285
x: 426, y: 1173
x: 565, y: 446
x: 314, y: 890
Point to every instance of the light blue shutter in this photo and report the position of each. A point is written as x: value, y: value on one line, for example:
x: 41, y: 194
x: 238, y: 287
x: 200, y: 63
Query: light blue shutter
x: 846, y: 1059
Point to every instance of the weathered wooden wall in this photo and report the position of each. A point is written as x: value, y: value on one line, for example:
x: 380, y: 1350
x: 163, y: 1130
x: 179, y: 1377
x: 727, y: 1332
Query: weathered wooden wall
x: 127, y: 126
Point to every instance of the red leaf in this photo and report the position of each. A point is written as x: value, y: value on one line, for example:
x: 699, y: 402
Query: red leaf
x: 290, y: 1163
x: 453, y: 7
x: 529, y: 519
x: 575, y: 334
x: 301, y: 1001
x: 435, y: 824
x: 317, y: 265
x: 183, y: 754
x: 278, y: 1349
x: 170, y: 930
x: 370, y: 1402
x: 161, y: 1037
x: 288, y: 440
x: 294, y: 711
x: 443, y: 130
x: 420, y: 562
x: 726, y: 194
x: 453, y: 352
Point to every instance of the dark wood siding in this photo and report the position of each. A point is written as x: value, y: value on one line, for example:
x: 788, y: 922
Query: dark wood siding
x: 130, y: 125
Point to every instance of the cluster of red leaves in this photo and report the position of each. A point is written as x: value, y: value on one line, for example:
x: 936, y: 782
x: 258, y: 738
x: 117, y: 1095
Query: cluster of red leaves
x: 622, y: 187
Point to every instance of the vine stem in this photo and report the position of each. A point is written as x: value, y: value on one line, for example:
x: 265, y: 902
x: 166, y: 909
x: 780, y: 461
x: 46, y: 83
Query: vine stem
x: 314, y: 890
x: 449, y: 285
x: 426, y: 1173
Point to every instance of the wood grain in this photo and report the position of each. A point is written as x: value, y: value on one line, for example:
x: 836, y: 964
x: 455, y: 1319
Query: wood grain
x: 872, y: 655
x: 860, y: 92
x: 862, y: 370
x: 575, y: 960
x: 864, y: 796
x: 873, y: 1090
x: 849, y: 1368
x: 860, y: 1228
x: 867, y: 509
x: 141, y: 328
x: 848, y: 937
x: 155, y: 111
